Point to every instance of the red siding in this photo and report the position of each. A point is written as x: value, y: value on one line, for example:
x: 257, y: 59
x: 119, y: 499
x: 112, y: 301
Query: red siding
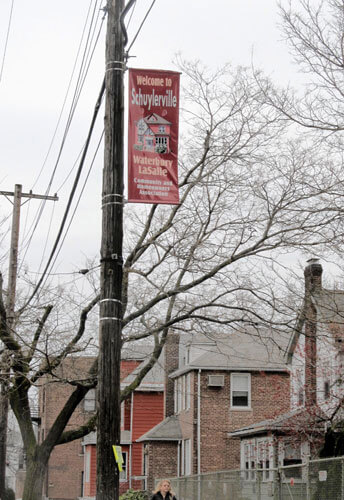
x: 148, y: 411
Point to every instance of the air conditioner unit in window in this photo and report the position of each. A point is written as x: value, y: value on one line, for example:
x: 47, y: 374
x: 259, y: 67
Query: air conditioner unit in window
x: 216, y: 380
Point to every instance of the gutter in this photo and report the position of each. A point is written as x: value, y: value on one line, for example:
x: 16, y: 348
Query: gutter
x: 199, y: 422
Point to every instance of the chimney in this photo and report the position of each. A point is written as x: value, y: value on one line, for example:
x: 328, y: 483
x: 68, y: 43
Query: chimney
x: 171, y: 364
x: 313, y: 285
x: 313, y: 272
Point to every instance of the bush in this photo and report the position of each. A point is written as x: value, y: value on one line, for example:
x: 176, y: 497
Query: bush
x: 135, y: 495
x: 9, y: 494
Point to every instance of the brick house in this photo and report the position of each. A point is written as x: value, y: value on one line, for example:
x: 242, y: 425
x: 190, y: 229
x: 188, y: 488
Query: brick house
x: 71, y: 472
x: 315, y: 356
x: 216, y: 384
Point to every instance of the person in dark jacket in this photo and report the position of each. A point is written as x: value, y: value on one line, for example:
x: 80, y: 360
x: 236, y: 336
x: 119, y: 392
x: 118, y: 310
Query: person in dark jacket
x: 163, y: 491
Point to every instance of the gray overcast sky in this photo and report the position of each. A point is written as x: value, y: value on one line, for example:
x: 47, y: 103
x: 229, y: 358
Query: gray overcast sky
x: 42, y: 46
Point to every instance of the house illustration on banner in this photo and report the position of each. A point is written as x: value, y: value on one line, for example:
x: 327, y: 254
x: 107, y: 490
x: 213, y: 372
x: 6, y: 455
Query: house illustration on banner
x: 152, y: 134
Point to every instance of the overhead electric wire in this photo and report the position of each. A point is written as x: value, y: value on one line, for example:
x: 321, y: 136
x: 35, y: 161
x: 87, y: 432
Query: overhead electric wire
x: 79, y: 198
x: 65, y: 98
x: 6, y: 41
x: 40, y: 209
x: 88, y: 54
x: 141, y: 25
x: 71, y: 196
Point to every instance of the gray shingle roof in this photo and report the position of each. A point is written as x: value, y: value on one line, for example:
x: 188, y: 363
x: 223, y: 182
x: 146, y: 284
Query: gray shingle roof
x: 300, y: 420
x: 245, y: 351
x: 167, y: 430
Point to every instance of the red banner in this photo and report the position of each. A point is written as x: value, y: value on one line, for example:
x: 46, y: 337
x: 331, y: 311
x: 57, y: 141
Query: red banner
x: 153, y: 136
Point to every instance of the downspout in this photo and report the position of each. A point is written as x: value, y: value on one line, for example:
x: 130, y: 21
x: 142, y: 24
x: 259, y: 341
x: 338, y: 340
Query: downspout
x: 131, y: 437
x: 199, y: 423
x: 178, y: 459
x: 199, y: 433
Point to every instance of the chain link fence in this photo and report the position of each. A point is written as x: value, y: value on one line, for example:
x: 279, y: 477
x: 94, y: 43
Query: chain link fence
x: 313, y: 480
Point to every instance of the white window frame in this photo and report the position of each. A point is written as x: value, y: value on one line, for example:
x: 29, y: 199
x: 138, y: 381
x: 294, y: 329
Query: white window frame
x: 186, y: 457
x: 90, y: 400
x: 236, y: 375
x: 264, y: 457
x: 254, y: 453
x: 188, y: 391
x: 179, y: 394
x: 87, y: 465
x: 123, y: 475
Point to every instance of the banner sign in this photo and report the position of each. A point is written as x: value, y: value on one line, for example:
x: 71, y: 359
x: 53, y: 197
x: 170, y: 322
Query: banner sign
x: 153, y: 136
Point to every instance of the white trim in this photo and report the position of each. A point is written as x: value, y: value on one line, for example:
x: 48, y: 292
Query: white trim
x: 233, y: 376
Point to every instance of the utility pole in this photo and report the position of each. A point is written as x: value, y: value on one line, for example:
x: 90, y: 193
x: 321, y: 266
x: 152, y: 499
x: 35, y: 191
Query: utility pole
x: 11, y: 294
x: 110, y: 319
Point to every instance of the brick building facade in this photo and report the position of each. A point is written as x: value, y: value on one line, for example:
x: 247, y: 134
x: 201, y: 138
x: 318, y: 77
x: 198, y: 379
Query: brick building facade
x: 71, y: 472
x: 220, y: 383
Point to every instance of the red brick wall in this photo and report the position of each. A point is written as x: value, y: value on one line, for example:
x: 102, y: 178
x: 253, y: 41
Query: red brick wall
x: 63, y: 479
x: 162, y: 461
x: 269, y: 397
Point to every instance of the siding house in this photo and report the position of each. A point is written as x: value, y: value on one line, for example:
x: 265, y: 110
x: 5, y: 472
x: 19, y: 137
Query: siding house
x: 71, y: 473
x: 315, y: 356
x: 216, y: 383
x: 142, y: 411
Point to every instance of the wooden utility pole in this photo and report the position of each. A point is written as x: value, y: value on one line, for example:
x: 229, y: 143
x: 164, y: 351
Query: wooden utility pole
x: 110, y: 319
x: 11, y: 294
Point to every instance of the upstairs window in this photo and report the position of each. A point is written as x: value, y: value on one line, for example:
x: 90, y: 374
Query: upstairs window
x: 240, y: 390
x: 90, y: 400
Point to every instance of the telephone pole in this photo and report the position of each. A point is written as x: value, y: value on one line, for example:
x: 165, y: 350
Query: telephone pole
x: 10, y: 302
x: 110, y: 318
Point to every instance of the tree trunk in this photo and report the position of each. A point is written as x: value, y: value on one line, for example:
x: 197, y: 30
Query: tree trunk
x: 35, y: 473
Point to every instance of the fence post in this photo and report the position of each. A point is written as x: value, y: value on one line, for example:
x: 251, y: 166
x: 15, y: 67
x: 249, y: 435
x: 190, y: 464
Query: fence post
x: 258, y: 481
x: 342, y: 492
x: 308, y: 485
x: 277, y: 489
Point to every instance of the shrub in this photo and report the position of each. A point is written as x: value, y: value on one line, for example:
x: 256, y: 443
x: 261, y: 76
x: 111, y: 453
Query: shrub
x: 9, y: 494
x: 135, y: 495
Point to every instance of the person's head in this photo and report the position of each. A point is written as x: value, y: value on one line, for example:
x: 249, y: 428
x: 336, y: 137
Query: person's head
x: 164, y: 486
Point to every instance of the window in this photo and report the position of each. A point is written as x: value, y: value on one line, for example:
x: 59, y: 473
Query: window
x: 292, y: 456
x: 182, y: 396
x: 90, y: 400
x: 123, y: 474
x: 87, y: 466
x: 162, y: 129
x: 186, y: 458
x: 240, y: 390
x: 187, y: 391
x: 263, y: 455
x: 249, y: 461
x: 326, y: 390
x: 257, y: 454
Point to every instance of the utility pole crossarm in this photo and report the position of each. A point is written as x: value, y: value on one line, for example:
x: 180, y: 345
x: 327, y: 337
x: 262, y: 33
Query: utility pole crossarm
x: 31, y: 195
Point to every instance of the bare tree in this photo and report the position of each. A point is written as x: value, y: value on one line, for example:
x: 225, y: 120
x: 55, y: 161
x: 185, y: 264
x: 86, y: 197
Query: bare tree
x: 314, y: 31
x: 249, y: 194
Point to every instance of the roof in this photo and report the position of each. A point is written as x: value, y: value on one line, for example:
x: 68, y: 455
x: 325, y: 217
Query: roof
x: 302, y: 420
x: 262, y: 350
x: 153, y: 381
x: 167, y: 430
x: 155, y: 119
x: 91, y: 438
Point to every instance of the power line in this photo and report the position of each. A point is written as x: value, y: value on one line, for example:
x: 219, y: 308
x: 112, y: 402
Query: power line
x: 86, y: 61
x: 140, y: 27
x: 80, y: 195
x: 71, y: 196
x: 6, y: 41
